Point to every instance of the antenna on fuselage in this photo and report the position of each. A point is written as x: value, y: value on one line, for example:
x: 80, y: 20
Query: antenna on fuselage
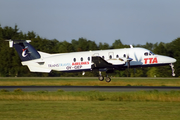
x: 131, y: 46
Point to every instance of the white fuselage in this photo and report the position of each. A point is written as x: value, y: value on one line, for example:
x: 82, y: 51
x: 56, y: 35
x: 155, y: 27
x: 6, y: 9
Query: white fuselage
x: 82, y: 61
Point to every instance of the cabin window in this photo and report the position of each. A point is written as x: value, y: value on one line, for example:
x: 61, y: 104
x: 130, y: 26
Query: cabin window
x: 88, y: 58
x: 117, y: 56
x: 110, y: 57
x: 74, y: 59
x: 81, y: 59
x: 103, y: 57
x: 146, y: 53
x: 124, y: 55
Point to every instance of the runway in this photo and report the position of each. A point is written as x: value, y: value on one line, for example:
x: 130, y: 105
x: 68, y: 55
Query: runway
x: 90, y: 88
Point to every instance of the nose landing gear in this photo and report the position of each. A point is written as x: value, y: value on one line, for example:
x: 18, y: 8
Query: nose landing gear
x: 172, y: 67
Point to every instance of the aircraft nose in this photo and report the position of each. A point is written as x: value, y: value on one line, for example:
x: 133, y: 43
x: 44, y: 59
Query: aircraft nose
x: 173, y: 60
x: 166, y: 59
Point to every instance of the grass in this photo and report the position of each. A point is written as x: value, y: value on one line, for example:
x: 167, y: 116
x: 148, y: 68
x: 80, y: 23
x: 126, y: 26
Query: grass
x: 88, y: 105
x: 87, y: 81
x: 89, y: 110
x: 60, y: 95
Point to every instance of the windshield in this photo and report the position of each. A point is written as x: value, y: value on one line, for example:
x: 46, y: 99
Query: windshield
x: 151, y: 53
x: 148, y: 53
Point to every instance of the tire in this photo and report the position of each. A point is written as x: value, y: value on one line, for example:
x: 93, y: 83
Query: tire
x: 108, y: 79
x: 101, y: 78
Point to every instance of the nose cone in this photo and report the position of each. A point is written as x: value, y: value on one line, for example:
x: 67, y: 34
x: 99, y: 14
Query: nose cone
x: 170, y: 60
x: 166, y: 59
x: 173, y: 60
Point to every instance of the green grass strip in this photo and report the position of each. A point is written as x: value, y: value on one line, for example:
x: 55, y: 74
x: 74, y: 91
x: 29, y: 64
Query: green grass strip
x: 87, y: 81
x: 60, y: 95
x: 89, y: 110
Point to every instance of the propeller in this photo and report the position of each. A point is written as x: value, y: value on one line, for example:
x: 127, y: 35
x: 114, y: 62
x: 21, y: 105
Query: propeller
x: 128, y: 60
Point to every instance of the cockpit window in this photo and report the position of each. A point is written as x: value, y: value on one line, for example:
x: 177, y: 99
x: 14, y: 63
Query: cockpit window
x: 146, y: 53
x: 151, y: 53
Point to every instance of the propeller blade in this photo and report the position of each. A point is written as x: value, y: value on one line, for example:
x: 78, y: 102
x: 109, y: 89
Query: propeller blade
x: 128, y: 61
x: 128, y: 65
x: 135, y: 57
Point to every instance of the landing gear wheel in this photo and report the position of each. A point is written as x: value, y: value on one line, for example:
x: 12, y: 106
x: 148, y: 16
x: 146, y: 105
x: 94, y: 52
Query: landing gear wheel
x: 108, y: 79
x: 101, y: 78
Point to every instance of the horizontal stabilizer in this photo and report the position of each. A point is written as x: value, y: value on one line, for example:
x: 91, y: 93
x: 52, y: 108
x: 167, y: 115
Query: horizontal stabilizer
x: 11, y: 42
x: 38, y: 69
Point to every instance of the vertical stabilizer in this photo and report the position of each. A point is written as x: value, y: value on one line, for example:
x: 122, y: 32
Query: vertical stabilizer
x: 25, y: 50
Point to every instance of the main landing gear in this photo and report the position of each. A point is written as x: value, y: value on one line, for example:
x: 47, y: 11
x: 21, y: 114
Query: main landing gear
x: 101, y: 77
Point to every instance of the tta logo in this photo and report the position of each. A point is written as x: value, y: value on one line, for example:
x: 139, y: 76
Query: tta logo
x: 24, y: 51
x: 150, y: 60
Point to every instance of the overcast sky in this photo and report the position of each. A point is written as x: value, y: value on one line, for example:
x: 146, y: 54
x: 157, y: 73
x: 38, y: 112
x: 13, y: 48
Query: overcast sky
x: 132, y: 21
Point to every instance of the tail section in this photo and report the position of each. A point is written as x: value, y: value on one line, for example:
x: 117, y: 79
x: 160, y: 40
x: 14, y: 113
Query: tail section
x: 30, y: 56
x: 25, y: 50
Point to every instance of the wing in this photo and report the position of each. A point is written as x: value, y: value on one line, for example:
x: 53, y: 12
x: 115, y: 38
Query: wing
x: 99, y: 63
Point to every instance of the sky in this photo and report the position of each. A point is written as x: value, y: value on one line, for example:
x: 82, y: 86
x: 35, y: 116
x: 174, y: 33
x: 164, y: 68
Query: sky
x: 131, y: 21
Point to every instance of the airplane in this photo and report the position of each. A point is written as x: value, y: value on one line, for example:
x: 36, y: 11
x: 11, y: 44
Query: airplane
x: 101, y: 60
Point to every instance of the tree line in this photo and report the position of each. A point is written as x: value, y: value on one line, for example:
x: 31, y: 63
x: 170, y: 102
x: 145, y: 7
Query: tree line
x: 10, y: 63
